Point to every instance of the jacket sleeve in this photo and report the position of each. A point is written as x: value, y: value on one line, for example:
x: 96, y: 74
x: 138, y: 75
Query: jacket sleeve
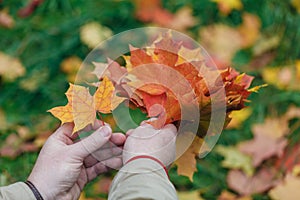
x: 16, y: 191
x: 142, y: 179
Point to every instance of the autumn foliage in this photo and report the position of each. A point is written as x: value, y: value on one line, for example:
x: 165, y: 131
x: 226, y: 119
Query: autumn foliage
x: 161, y: 80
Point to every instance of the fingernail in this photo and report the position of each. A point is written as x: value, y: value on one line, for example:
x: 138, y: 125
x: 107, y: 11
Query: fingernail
x: 105, y: 131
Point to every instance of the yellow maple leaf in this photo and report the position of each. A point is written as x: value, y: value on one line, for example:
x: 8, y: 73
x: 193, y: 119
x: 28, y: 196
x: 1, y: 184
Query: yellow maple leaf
x: 227, y: 6
x: 80, y: 108
x: 103, y: 96
x: 287, y: 190
x: 235, y: 159
x: 186, y: 163
x: 238, y: 117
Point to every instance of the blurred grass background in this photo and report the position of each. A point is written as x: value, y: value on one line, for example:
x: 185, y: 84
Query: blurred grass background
x: 42, y: 45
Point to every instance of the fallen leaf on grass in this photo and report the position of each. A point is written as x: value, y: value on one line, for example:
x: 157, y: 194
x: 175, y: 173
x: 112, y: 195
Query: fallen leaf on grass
x: 250, y: 29
x: 227, y: 6
x: 10, y: 68
x: 234, y: 159
x: 189, y: 195
x: 70, y: 66
x: 93, y: 33
x: 287, y: 190
x: 6, y: 20
x: 245, y: 185
x: 268, y: 140
x: 226, y: 195
x: 284, y: 77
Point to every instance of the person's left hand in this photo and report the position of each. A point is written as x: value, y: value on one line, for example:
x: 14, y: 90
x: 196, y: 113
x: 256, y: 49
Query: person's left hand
x: 64, y: 167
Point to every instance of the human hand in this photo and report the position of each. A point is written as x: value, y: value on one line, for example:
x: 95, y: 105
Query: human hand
x: 64, y: 167
x: 146, y: 140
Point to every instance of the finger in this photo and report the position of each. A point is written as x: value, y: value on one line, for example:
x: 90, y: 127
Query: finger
x: 129, y: 132
x: 170, y: 127
x: 118, y: 139
x: 64, y: 133
x: 102, y: 167
x: 101, y: 155
x: 93, y: 142
x: 92, y: 127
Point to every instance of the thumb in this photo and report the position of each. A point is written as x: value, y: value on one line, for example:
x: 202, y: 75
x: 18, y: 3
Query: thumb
x: 93, y: 142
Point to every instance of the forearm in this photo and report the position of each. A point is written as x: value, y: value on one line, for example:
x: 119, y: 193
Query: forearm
x: 16, y: 191
x: 142, y: 179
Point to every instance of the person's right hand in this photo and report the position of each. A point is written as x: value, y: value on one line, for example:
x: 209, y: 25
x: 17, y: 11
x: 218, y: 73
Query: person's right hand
x: 146, y: 140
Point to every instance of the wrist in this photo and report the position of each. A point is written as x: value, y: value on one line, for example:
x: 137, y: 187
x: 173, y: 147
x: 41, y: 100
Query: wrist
x: 151, y: 158
x: 34, y: 190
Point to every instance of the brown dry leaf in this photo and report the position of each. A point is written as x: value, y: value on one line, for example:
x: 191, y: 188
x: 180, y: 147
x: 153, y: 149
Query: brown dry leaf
x: 268, y: 140
x: 152, y: 11
x: 227, y: 6
x: 10, y: 68
x: 80, y: 108
x: 250, y: 29
x: 186, y: 163
x: 183, y: 19
x: 234, y: 159
x: 226, y: 195
x: 189, y: 195
x: 287, y: 190
x: 221, y: 41
x: 244, y: 185
x: 6, y: 20
x: 238, y: 117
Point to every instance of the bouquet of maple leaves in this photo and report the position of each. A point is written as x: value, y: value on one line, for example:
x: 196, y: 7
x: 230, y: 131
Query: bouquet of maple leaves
x: 161, y: 80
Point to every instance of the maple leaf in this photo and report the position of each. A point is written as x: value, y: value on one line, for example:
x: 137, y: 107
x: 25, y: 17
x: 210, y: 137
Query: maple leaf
x: 186, y: 163
x: 111, y: 69
x: 245, y: 185
x: 234, y: 159
x: 287, y: 190
x: 80, y: 108
x: 268, y: 140
x: 103, y: 96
